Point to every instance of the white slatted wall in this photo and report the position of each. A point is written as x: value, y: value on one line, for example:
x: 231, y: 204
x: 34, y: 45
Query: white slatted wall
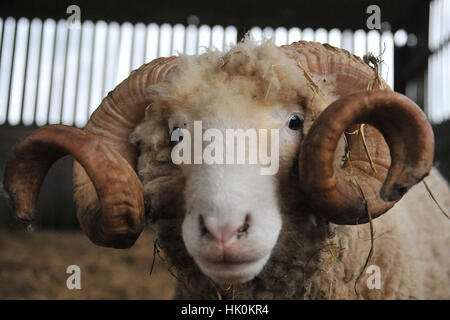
x: 51, y: 74
x: 438, y: 77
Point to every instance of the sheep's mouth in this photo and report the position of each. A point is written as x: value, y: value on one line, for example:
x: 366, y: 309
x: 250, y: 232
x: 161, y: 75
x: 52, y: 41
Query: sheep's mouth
x: 232, y: 271
x: 227, y: 264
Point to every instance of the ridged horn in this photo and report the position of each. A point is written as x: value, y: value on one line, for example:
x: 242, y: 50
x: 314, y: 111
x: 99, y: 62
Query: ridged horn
x: 119, y: 191
x: 340, y: 193
x: 398, y: 138
x: 107, y: 192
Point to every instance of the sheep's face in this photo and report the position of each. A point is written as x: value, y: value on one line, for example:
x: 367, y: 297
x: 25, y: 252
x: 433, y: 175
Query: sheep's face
x: 232, y: 215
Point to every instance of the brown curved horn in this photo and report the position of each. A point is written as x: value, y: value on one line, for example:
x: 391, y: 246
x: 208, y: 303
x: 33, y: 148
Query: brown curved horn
x: 335, y: 192
x: 107, y: 192
x: 119, y: 191
x: 113, y: 122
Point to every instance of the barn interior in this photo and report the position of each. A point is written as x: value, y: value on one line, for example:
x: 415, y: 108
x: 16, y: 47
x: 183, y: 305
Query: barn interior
x: 41, y: 82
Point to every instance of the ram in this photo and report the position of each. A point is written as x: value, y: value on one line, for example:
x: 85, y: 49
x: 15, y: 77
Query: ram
x: 350, y: 152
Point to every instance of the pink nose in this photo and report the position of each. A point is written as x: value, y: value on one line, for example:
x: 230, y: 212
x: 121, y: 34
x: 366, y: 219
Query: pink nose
x: 224, y: 233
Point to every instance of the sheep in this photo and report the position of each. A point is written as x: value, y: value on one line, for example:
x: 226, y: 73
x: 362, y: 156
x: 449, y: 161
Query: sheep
x: 350, y: 154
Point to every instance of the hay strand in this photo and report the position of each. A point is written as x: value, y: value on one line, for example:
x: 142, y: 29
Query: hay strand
x: 219, y: 295
x: 373, y: 62
x: 369, y: 256
x: 313, y: 85
x: 434, y: 199
x: 270, y: 83
x: 147, y: 110
x: 155, y: 251
x: 361, y: 130
x: 330, y: 290
x: 296, y: 242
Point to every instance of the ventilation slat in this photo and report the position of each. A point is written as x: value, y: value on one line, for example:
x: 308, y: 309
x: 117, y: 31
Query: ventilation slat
x: 32, y: 72
x: 18, y: 72
x: 9, y: 31
x: 437, y: 103
x: 84, y: 75
x: 50, y: 73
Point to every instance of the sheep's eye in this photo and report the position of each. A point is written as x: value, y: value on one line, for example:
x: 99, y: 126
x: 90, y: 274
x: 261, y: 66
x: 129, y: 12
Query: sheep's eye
x: 177, y: 134
x: 295, y: 122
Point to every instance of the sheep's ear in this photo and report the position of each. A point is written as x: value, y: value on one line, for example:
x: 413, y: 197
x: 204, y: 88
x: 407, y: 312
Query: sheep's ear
x: 375, y: 175
x: 163, y: 181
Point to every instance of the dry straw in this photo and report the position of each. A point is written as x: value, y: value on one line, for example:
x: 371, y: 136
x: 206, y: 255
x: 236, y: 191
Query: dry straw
x: 434, y: 199
x: 272, y: 67
x: 373, y: 62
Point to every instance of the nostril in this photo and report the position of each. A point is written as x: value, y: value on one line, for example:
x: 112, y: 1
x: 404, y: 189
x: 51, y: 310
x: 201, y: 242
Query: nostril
x: 243, y: 230
x: 203, y: 230
x: 247, y: 218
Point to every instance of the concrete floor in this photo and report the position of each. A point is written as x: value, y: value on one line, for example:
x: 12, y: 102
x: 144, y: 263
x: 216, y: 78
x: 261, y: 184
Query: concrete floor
x: 33, y: 266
